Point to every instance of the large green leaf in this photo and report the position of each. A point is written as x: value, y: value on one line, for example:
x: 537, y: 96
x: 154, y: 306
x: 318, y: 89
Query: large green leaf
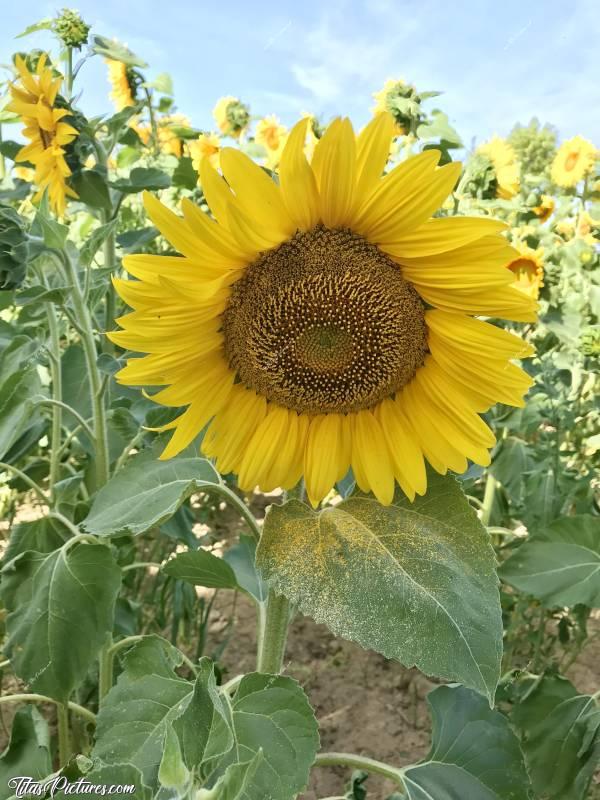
x: 271, y: 713
x: 238, y: 782
x: 140, y: 178
x: 42, y: 535
x: 561, y: 565
x: 151, y: 704
x: 242, y: 559
x: 61, y: 607
x: 414, y: 581
x: 202, y: 568
x: 16, y: 393
x: 27, y: 753
x: 560, y: 731
x: 147, y: 492
x: 474, y: 754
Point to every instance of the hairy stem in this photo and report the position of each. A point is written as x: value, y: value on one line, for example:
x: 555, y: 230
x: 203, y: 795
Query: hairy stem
x: 57, y: 404
x: 41, y: 698
x: 359, y: 762
x: 95, y: 382
x: 488, y: 499
x: 64, y: 736
x: 273, y: 621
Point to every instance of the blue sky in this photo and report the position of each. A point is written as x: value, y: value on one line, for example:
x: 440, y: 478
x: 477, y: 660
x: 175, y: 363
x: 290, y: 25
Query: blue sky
x: 497, y: 63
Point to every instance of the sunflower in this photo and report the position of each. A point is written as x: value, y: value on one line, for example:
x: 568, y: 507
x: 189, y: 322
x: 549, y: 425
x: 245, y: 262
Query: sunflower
x: 118, y: 76
x: 506, y: 168
x: 168, y: 140
x: 528, y: 269
x: 272, y: 136
x: 324, y: 321
x: 231, y: 116
x: 545, y: 208
x: 33, y: 99
x: 207, y: 145
x: 574, y: 160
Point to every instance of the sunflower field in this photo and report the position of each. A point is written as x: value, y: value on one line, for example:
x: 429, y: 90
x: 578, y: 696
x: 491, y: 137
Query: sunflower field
x: 299, y: 447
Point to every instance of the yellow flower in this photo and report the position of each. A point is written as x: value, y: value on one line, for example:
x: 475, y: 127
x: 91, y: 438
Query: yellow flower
x: 24, y: 173
x: 588, y: 228
x: 207, y: 145
x: 272, y: 136
x: 326, y: 320
x: 231, y: 116
x: 392, y: 87
x: 574, y: 160
x: 565, y: 227
x: 545, y: 208
x: 33, y: 100
x: 506, y: 168
x: 120, y: 92
x: 528, y: 269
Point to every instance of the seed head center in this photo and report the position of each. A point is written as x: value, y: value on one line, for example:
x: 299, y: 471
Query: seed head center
x: 324, y: 323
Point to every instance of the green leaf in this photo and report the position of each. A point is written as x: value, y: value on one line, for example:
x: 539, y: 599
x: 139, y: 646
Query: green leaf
x: 439, y: 128
x: 9, y: 149
x: 272, y: 713
x: 41, y: 294
x: 140, y: 709
x: 114, y: 775
x: 52, y: 232
x: 28, y: 751
x: 16, y: 394
x: 61, y: 607
x: 172, y: 771
x: 76, y: 392
x: 560, y: 731
x: 132, y: 241
x: 95, y: 241
x: 238, y: 782
x: 141, y: 178
x: 92, y: 189
x: 42, y: 535
x: 185, y: 175
x: 110, y: 48
x: 147, y: 492
x: 561, y: 565
x: 242, y: 559
x: 42, y: 25
x: 163, y: 83
x: 202, y: 568
x: 474, y: 754
x: 382, y: 576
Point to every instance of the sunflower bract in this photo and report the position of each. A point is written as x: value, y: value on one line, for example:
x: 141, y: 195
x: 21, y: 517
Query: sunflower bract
x: 327, y: 321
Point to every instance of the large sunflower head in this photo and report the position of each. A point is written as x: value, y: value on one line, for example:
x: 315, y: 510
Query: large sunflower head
x: 528, y: 269
x: 34, y: 99
x: 326, y: 321
x: 574, y: 160
x: 506, y: 168
x: 123, y: 86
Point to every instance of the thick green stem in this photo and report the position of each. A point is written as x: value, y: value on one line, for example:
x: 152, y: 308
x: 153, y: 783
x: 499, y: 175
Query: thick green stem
x: 110, y: 260
x: 2, y: 161
x: 69, y: 73
x: 64, y: 737
x: 359, y: 762
x: 273, y: 621
x: 95, y: 382
x: 488, y: 499
x: 55, y: 374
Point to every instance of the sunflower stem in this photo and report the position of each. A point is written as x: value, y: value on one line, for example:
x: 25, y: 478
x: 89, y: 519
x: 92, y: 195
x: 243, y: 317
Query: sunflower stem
x: 69, y: 72
x: 273, y: 622
x: 95, y: 382
x: 488, y: 499
x: 359, y: 762
x: 64, y: 737
x: 57, y: 404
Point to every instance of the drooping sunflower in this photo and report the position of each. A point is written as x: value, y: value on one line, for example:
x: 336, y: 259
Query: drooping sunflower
x: 207, y: 145
x: 574, y: 160
x: 506, y: 168
x: 272, y: 135
x: 232, y: 116
x: 33, y: 99
x: 121, y: 92
x: 326, y: 321
x: 528, y: 269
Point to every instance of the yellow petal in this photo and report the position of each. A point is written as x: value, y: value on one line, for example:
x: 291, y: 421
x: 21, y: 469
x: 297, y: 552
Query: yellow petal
x: 298, y: 182
x: 370, y: 457
x: 327, y: 455
x: 337, y: 185
x: 405, y: 453
x: 372, y: 152
x: 438, y: 235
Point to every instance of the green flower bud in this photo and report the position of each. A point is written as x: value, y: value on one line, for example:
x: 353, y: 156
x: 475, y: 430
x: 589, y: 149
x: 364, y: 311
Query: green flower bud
x: 70, y: 28
x: 589, y: 342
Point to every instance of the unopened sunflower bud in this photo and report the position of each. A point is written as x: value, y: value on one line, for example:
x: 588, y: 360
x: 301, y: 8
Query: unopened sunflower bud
x: 589, y: 342
x: 70, y: 28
